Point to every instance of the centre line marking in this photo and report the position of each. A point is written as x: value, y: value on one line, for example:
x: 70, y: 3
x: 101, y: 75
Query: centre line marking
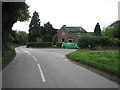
x: 35, y: 58
x: 41, y: 73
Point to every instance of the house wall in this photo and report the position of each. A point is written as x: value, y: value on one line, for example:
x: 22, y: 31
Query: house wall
x: 66, y: 37
x: 75, y: 37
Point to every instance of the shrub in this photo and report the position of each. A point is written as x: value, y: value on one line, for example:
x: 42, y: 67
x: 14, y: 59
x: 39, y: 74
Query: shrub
x: 39, y: 40
x: 86, y: 40
x: 59, y: 44
x: 90, y: 40
x: 39, y: 44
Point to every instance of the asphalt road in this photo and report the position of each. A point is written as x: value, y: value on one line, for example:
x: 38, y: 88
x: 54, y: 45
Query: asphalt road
x: 49, y: 68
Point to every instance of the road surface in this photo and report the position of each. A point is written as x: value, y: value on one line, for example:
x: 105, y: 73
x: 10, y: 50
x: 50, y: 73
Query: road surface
x: 49, y: 68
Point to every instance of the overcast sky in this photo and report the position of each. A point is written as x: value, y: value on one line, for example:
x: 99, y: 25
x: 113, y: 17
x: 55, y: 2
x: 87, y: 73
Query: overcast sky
x: 84, y: 13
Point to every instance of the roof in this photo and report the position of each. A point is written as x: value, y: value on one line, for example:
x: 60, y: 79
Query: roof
x: 74, y: 29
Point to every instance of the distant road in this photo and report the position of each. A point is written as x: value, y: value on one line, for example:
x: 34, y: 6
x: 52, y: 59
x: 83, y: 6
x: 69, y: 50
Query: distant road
x: 49, y: 68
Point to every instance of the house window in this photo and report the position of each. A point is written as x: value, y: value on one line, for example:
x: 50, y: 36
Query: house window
x: 63, y: 33
x: 71, y: 34
x: 78, y: 33
x: 63, y: 40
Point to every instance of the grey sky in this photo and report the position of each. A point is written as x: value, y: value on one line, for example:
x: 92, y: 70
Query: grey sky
x: 84, y: 13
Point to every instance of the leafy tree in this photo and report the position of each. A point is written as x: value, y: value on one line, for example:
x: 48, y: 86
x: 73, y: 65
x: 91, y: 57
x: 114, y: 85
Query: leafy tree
x: 54, y: 39
x: 19, y: 37
x: 112, y: 30
x: 34, y: 28
x: 97, y: 30
x: 12, y: 12
x: 48, y: 32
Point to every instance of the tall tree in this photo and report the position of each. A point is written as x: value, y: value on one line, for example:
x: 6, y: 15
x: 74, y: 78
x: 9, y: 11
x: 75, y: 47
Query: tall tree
x: 34, y: 28
x: 48, y: 32
x: 97, y: 30
x: 11, y: 13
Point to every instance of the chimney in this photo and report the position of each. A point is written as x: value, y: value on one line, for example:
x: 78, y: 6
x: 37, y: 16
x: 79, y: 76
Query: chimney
x: 64, y: 26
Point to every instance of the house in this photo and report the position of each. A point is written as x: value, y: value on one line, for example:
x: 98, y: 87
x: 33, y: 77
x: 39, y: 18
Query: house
x: 70, y: 34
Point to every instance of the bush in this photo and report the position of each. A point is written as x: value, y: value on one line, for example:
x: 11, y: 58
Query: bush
x: 39, y: 44
x: 39, y: 40
x: 59, y: 44
x: 86, y: 41
x: 91, y: 41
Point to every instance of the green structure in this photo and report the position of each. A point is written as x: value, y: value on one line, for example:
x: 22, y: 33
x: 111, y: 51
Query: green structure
x: 70, y: 46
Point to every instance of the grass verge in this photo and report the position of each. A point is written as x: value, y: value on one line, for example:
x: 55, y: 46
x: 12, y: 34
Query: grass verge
x: 7, y: 56
x: 103, y: 60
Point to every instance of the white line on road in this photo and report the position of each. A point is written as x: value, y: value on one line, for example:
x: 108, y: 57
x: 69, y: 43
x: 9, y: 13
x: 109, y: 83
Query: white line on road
x: 66, y: 59
x: 34, y: 58
x: 41, y: 73
x: 25, y: 51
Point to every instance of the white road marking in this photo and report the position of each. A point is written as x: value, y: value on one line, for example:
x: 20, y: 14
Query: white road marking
x: 66, y: 59
x: 41, y: 73
x: 26, y: 51
x: 34, y: 58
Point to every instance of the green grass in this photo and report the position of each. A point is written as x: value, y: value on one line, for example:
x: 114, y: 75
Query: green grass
x: 44, y: 47
x: 103, y: 60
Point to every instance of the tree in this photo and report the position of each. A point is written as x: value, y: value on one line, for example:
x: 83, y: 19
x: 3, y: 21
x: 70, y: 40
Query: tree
x: 34, y: 28
x: 11, y: 13
x: 112, y: 30
x: 48, y: 32
x: 54, y: 39
x: 97, y: 30
x: 19, y: 37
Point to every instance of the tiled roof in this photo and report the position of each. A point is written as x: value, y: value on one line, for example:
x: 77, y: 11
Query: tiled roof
x: 75, y: 29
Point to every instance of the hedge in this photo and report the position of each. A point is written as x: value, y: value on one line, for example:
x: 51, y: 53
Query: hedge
x: 39, y: 44
x: 59, y: 44
x: 91, y: 41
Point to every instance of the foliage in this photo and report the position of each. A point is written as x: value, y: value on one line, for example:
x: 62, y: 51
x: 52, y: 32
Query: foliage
x: 43, y: 47
x: 19, y: 37
x: 91, y: 41
x: 54, y: 39
x: 59, y: 44
x: 11, y: 13
x: 34, y: 28
x: 97, y: 30
x: 48, y: 32
x: 39, y: 40
x: 39, y: 44
x: 7, y: 56
x: 103, y: 60
x: 86, y: 41
x: 113, y: 30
